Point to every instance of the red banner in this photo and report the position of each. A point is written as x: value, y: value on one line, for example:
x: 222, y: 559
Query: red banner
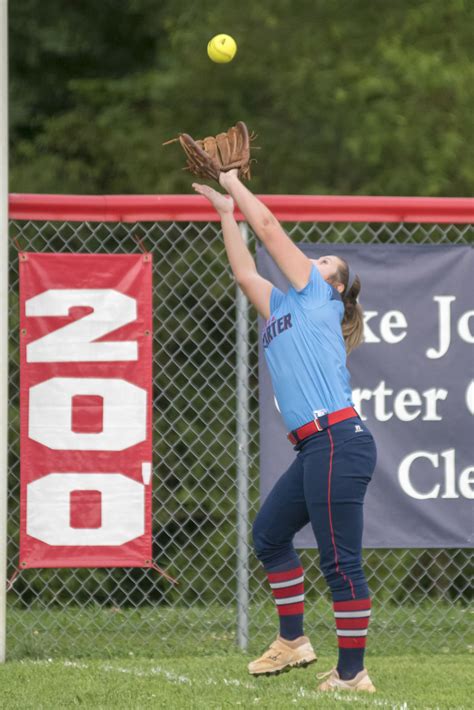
x: 86, y: 398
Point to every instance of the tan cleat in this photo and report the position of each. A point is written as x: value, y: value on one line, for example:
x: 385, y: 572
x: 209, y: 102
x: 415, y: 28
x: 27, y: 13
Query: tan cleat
x: 360, y: 683
x: 283, y: 655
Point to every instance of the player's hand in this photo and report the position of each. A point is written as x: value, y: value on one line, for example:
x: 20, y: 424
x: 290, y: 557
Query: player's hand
x: 222, y: 203
x: 228, y: 177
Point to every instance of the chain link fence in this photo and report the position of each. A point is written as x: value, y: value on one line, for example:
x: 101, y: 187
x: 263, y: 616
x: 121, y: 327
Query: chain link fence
x: 206, y: 442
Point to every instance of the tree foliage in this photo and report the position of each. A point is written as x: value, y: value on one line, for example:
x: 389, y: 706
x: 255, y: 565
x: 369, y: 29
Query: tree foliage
x: 347, y: 96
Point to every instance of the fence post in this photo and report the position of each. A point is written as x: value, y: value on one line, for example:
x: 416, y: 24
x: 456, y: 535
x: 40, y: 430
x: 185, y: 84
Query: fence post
x: 242, y: 459
x: 3, y: 317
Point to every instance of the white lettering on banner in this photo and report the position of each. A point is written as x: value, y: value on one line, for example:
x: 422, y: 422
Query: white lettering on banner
x: 470, y: 397
x: 74, y: 342
x: 390, y: 321
x: 124, y: 414
x: 463, y: 327
x: 408, y: 404
x: 49, y: 508
x: 465, y: 480
x: 444, y: 327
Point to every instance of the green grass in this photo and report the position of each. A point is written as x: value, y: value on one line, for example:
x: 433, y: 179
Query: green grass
x: 194, y: 681
x: 159, y: 632
x: 187, y: 658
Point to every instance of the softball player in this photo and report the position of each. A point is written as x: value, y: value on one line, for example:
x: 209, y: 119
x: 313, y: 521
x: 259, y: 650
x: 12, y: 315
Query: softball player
x: 309, y: 332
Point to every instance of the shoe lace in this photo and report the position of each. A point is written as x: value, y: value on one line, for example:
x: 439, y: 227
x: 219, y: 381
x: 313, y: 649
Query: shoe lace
x: 270, y: 649
x: 325, y: 674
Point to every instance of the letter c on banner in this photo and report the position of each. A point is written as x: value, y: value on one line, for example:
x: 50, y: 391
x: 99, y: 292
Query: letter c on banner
x: 404, y: 475
x: 48, y: 509
x: 124, y: 414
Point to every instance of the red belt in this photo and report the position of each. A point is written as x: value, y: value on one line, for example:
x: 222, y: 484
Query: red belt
x: 321, y: 423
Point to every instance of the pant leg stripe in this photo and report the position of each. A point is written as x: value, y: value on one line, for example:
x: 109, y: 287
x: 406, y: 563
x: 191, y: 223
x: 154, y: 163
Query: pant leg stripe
x: 336, y: 559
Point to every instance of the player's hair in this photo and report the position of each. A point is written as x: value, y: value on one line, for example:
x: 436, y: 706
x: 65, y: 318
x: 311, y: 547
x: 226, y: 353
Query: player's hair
x: 353, y: 320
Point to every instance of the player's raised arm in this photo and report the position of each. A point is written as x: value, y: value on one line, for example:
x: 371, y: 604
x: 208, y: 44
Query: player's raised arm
x: 293, y: 263
x: 256, y: 288
x: 226, y: 158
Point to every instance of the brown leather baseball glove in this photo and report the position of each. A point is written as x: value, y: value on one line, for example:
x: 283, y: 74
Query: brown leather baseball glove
x: 208, y: 157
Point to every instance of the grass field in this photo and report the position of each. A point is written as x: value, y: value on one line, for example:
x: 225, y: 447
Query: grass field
x: 194, y: 681
x: 130, y: 662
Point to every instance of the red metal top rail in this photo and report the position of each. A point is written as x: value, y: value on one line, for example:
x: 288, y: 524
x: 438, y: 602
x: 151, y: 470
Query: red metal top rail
x: 287, y: 208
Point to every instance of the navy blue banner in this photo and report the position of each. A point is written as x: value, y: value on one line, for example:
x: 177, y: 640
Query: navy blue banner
x: 412, y: 382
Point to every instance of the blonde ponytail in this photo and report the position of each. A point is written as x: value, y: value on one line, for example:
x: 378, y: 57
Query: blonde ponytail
x: 353, y: 320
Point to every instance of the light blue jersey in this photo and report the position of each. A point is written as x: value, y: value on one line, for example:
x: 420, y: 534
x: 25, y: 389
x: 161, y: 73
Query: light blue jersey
x: 305, y: 351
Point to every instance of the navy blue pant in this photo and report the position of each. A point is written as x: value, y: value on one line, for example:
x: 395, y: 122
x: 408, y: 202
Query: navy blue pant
x: 325, y: 485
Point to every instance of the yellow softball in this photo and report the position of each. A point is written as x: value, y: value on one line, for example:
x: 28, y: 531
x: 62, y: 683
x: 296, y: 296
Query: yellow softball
x: 221, y: 49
